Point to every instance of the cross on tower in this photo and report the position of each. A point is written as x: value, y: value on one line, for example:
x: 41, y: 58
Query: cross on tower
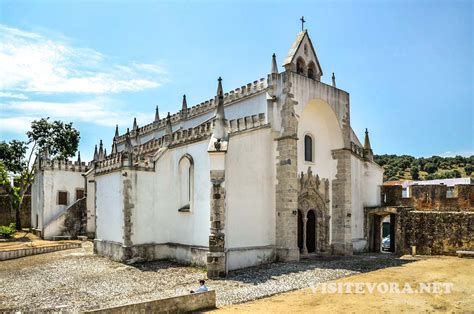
x: 302, y: 23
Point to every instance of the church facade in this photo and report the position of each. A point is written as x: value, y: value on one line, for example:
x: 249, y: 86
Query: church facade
x: 269, y: 171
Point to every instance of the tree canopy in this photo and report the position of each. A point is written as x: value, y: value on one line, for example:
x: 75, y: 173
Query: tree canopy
x: 407, y: 167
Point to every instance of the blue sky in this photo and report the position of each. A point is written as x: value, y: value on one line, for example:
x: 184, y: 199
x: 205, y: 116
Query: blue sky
x: 408, y: 65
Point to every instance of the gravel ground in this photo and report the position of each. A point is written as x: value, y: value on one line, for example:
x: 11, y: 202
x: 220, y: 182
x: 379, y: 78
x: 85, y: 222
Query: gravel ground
x: 75, y: 280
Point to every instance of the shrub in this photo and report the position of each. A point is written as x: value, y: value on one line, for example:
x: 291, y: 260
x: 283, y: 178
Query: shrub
x: 7, y: 232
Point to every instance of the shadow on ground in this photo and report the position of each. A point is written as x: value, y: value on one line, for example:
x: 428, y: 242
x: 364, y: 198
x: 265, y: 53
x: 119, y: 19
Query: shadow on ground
x: 260, y: 274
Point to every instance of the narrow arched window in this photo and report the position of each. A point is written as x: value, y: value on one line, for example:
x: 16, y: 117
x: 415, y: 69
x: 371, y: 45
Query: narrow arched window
x: 308, y: 148
x: 300, y: 66
x: 186, y: 183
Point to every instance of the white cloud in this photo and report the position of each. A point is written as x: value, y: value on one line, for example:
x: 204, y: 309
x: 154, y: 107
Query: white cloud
x: 18, y: 125
x: 31, y: 62
x: 13, y: 95
x: 98, y: 111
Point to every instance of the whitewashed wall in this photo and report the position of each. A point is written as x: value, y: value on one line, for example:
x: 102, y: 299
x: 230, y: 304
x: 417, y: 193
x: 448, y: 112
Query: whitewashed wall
x: 318, y: 120
x: 366, y: 179
x: 155, y: 216
x: 37, y: 201
x: 109, y: 207
x: 250, y: 190
x: 53, y: 182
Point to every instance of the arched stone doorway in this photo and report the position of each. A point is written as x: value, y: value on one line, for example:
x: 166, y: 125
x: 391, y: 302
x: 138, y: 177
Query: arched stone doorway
x: 311, y: 231
x: 313, y: 214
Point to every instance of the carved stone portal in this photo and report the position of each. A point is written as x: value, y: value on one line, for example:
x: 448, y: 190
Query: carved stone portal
x: 313, y: 216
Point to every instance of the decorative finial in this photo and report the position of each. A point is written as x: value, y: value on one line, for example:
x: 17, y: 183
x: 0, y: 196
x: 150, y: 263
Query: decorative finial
x: 274, y: 65
x: 302, y: 23
x: 220, y: 93
x: 135, y: 125
x: 101, y: 150
x: 114, y: 148
x: 116, y: 131
x: 157, y: 114
x: 367, y: 148
x: 220, y: 131
x: 333, y: 80
x: 78, y: 157
x: 96, y: 153
x: 168, y: 129
x: 184, y: 108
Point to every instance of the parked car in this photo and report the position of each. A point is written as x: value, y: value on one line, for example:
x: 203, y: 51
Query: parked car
x: 386, y: 243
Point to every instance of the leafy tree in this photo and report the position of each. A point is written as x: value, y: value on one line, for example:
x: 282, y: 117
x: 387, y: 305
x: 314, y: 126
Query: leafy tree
x: 430, y: 167
x: 469, y: 168
x: 415, y: 173
x: 60, y: 140
x: 456, y: 173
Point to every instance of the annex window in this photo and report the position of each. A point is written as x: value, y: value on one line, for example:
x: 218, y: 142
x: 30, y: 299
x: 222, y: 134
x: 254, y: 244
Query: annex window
x: 308, y: 148
x: 450, y: 192
x: 186, y: 183
x: 62, y: 198
x: 79, y: 194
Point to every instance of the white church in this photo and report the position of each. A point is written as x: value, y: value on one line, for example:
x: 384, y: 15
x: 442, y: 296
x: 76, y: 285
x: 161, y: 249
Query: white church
x: 269, y: 171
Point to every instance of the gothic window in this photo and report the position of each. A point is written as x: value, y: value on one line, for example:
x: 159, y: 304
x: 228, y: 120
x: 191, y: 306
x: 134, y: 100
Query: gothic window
x: 311, y: 70
x: 62, y: 198
x: 186, y: 183
x: 308, y: 148
x: 300, y: 66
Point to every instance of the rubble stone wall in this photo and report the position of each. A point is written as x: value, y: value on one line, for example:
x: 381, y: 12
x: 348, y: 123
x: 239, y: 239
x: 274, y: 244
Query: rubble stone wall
x: 7, y: 215
x: 431, y: 197
x: 435, y: 232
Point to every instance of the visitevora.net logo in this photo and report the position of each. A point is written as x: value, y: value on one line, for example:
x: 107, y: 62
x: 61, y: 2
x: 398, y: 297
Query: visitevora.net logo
x: 382, y: 287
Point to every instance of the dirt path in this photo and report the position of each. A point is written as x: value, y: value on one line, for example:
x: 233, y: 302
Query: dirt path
x: 458, y: 271
x: 25, y: 240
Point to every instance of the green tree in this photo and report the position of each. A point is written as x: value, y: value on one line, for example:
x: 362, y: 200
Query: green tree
x: 469, y: 168
x: 59, y: 139
x: 415, y: 173
x: 430, y: 167
x: 456, y: 173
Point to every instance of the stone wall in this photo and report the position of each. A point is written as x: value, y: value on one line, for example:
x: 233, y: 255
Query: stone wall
x: 435, y: 232
x: 7, y: 215
x: 430, y: 197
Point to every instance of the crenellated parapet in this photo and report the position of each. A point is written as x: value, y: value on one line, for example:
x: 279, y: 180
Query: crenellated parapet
x: 204, y: 107
x: 246, y: 123
x: 142, y: 155
x: 64, y: 165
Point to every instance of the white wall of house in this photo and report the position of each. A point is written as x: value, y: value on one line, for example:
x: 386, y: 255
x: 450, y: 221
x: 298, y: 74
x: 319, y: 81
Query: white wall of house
x: 37, y: 201
x: 54, y: 181
x: 109, y: 207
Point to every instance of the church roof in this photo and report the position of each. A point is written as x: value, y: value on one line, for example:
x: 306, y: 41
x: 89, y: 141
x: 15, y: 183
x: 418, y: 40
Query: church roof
x: 295, y: 46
